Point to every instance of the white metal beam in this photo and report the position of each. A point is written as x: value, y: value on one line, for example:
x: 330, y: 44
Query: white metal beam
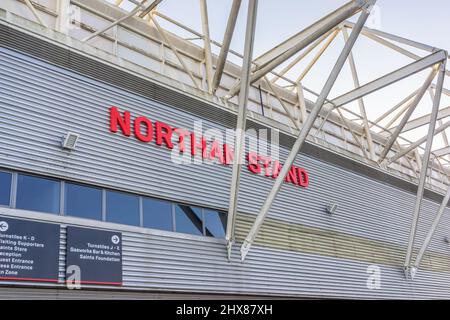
x: 423, y: 172
x: 226, y: 43
x: 317, y: 56
x: 388, y: 79
x: 390, y: 111
x: 305, y: 131
x: 130, y: 14
x: 300, y: 57
x: 162, y: 32
x: 415, y: 144
x: 411, y: 107
x: 362, y: 108
x: 265, y: 58
x: 240, y: 125
x: 36, y: 15
x: 393, y: 37
x: 430, y: 233
x: 441, y: 152
x: 207, y: 44
x: 421, y: 121
x: 62, y: 21
x: 273, y: 58
x: 149, y: 8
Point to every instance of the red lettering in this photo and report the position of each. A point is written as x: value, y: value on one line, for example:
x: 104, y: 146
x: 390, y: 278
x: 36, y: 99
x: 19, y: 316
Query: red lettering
x: 292, y: 175
x: 303, y: 178
x: 215, y: 152
x: 266, y: 164
x: 253, y: 165
x: 164, y: 132
x: 195, y: 145
x: 276, y: 169
x: 182, y: 133
x: 148, y: 136
x: 228, y: 154
x: 115, y: 118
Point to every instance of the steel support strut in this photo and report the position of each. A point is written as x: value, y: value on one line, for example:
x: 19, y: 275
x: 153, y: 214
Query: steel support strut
x: 226, y: 43
x: 411, y: 107
x: 140, y: 6
x: 414, y: 145
x: 206, y: 44
x: 305, y: 129
x: 362, y: 107
x: 278, y: 55
x: 430, y: 233
x: 424, y: 168
x: 240, y: 125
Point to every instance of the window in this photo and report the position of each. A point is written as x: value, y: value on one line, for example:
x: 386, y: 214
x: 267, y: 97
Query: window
x: 188, y: 219
x: 82, y: 201
x: 5, y: 188
x: 37, y: 194
x: 157, y: 214
x: 45, y: 194
x: 122, y: 208
x: 215, y: 223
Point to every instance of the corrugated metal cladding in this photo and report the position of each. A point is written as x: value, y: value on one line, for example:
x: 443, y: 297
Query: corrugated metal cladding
x: 40, y: 103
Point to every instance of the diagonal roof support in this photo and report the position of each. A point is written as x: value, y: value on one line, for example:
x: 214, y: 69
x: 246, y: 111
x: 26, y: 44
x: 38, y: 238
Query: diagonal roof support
x: 226, y: 43
x: 393, y: 37
x: 430, y: 233
x: 442, y: 151
x: 398, y: 105
x: 317, y: 56
x: 240, y: 125
x: 385, y: 81
x: 388, y: 79
x: 130, y: 14
x: 305, y: 130
x: 416, y: 144
x: 362, y: 107
x: 300, y: 57
x: 423, y: 172
x: 411, y: 107
x: 273, y: 58
x: 162, y: 32
x: 207, y: 44
x: 421, y: 121
x: 147, y: 10
x: 36, y: 15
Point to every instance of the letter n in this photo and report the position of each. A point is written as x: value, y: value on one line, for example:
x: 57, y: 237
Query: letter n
x: 116, y: 119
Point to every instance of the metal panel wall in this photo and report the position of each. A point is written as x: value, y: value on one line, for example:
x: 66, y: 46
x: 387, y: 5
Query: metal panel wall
x: 40, y: 103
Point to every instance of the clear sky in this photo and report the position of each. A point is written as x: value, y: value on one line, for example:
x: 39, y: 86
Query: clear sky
x: 423, y: 21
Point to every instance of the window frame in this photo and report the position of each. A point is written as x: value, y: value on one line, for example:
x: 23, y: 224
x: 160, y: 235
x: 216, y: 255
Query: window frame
x: 104, y: 190
x: 63, y: 198
x: 59, y: 181
x: 11, y: 187
x: 126, y: 194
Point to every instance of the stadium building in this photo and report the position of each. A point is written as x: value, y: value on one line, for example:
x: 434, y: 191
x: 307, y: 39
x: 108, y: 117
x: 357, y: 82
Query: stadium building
x: 118, y: 172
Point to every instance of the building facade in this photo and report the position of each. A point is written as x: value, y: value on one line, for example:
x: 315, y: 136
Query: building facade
x: 124, y: 176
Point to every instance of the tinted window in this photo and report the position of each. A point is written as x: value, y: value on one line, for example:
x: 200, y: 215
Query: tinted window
x: 215, y: 223
x: 157, y: 214
x: 188, y: 219
x: 122, y: 208
x: 37, y: 194
x: 82, y: 201
x: 5, y: 188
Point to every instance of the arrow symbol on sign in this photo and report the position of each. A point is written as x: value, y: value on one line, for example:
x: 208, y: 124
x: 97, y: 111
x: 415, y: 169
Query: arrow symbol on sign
x: 3, y: 226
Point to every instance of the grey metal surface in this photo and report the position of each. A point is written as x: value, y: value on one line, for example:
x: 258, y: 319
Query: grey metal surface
x: 73, y: 60
x: 40, y: 103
